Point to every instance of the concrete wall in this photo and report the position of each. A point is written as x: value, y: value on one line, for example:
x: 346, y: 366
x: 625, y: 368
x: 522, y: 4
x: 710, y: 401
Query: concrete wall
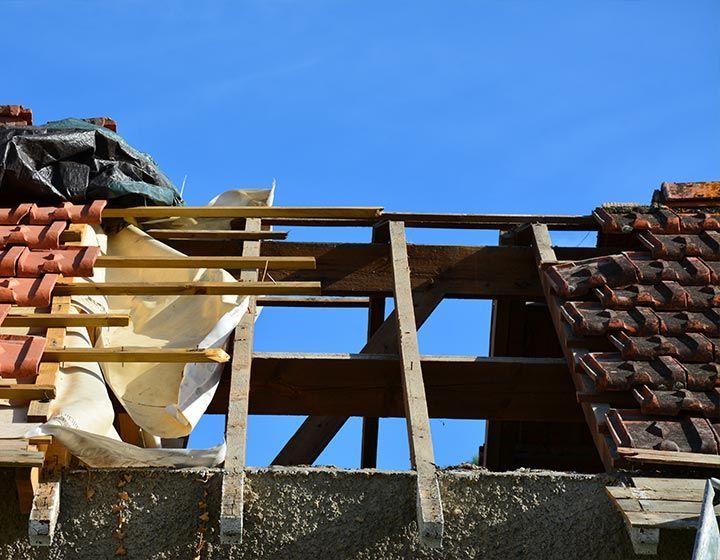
x: 298, y: 513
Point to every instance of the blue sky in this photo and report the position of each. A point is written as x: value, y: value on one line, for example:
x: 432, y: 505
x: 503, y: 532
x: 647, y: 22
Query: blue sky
x: 512, y: 107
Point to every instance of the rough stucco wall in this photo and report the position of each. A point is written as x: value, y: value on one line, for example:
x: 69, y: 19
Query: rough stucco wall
x: 317, y: 513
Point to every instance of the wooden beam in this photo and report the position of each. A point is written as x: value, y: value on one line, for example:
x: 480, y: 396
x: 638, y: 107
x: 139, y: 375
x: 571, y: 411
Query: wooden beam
x: 310, y: 301
x: 544, y: 252
x: 675, y: 459
x: 229, y: 263
x: 38, y: 409
x: 233, y: 480
x: 314, y: 434
x: 20, y: 457
x: 127, y: 354
x: 63, y: 320
x: 429, y: 505
x: 210, y: 234
x: 242, y: 212
x: 376, y: 317
x: 187, y: 288
x: 28, y: 391
x: 363, y: 269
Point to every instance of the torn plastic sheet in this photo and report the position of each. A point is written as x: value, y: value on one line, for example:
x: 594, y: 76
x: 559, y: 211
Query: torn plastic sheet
x: 76, y: 161
x: 98, y: 451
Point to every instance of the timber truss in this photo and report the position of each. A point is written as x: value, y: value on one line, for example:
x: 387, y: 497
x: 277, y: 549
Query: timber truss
x: 523, y: 389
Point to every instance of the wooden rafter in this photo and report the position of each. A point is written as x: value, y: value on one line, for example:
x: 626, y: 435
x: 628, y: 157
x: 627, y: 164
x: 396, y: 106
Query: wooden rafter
x: 233, y: 482
x: 429, y: 504
x: 228, y: 262
x: 187, y: 288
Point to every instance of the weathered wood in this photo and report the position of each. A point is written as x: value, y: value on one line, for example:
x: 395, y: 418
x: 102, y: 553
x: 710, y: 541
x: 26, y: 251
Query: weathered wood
x: 544, y: 252
x: 242, y: 212
x: 44, y: 512
x: 660, y: 484
x: 357, y: 269
x: 127, y: 354
x: 223, y: 234
x: 310, y: 301
x: 63, y: 320
x: 468, y: 387
x: 17, y: 457
x: 233, y: 482
x: 27, y: 391
x: 376, y: 317
x: 187, y: 288
x: 38, y: 408
x: 429, y: 505
x: 670, y: 458
x: 228, y: 262
x: 315, y: 433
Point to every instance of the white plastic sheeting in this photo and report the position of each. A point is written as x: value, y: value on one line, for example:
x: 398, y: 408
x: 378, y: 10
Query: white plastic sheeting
x: 165, y: 400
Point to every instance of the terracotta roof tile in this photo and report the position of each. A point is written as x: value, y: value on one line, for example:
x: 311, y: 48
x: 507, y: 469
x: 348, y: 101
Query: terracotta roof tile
x: 661, y: 309
x: 20, y: 355
x: 69, y: 261
x: 74, y: 213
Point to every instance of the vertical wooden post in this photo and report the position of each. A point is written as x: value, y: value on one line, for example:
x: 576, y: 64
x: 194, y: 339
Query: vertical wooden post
x: 231, y: 508
x: 376, y: 317
x: 429, y: 504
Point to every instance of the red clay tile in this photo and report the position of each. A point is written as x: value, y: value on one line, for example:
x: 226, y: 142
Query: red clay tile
x: 697, y: 222
x: 672, y: 403
x: 35, y: 237
x: 20, y: 114
x: 14, y: 215
x: 628, y: 428
x: 702, y: 377
x: 611, y: 372
x: 691, y: 347
x: 8, y: 260
x: 662, y: 296
x: 690, y: 271
x: 658, y: 220
x: 591, y: 319
x: 20, y: 355
x: 691, y: 195
x: 28, y: 292
x: 75, y: 213
x: 677, y: 323
x: 679, y: 246
x: 69, y: 261
x: 105, y: 122
x: 576, y: 279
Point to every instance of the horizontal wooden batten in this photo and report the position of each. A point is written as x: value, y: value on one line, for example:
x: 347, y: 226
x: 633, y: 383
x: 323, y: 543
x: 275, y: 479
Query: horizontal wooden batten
x: 45, y: 320
x: 370, y: 385
x: 27, y: 391
x: 187, y: 288
x: 126, y: 354
x: 221, y: 234
x: 243, y: 212
x: 15, y: 457
x: 230, y: 262
x: 363, y: 269
x: 310, y: 301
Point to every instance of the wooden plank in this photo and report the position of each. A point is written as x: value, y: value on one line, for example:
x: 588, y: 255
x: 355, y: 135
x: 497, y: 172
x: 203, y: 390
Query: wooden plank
x: 668, y: 495
x: 644, y: 519
x: 544, y: 252
x: 669, y: 458
x: 63, y: 320
x: 12, y: 457
x: 28, y: 391
x: 363, y: 269
x: 660, y: 484
x: 227, y: 262
x: 310, y: 301
x: 370, y: 385
x: 187, y: 288
x: 38, y: 409
x: 44, y: 512
x: 376, y: 317
x: 242, y: 212
x: 127, y: 354
x: 429, y: 505
x: 233, y: 481
x: 241, y: 235
x: 316, y: 432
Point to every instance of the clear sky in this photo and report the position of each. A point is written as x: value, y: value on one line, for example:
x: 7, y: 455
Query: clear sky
x: 510, y: 107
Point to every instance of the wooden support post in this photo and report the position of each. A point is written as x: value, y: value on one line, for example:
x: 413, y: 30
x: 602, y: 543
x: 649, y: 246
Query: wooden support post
x: 233, y: 483
x: 376, y: 316
x: 316, y: 432
x: 429, y: 504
